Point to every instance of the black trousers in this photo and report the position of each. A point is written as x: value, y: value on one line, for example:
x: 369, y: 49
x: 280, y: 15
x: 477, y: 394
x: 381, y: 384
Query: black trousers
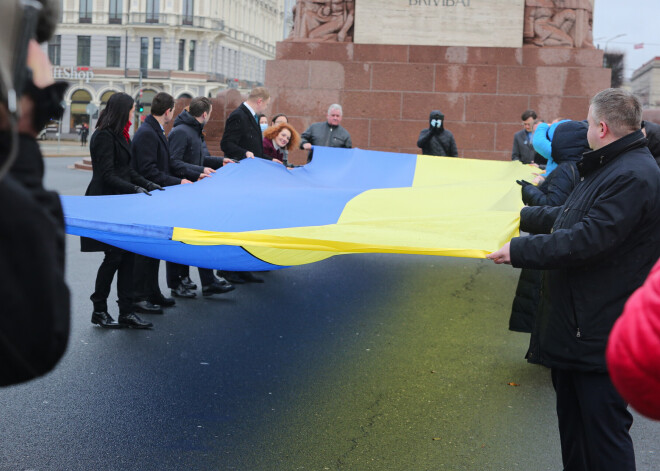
x: 594, y: 423
x: 176, y: 271
x: 145, y: 276
x: 115, y: 261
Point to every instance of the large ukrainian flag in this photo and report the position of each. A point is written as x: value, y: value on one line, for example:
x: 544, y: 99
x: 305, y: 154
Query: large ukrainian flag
x: 257, y: 215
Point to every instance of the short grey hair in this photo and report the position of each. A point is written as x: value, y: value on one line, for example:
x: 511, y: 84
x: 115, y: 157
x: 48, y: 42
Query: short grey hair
x: 619, y: 109
x: 335, y: 106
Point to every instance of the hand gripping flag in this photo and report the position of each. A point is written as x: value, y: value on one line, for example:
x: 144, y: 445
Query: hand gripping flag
x: 258, y: 215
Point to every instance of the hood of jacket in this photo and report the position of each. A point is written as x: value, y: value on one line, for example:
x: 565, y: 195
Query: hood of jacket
x: 188, y: 119
x: 569, y: 141
x: 437, y: 114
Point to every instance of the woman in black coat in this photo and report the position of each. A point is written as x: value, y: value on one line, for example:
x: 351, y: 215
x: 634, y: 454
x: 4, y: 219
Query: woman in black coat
x: 568, y: 141
x: 110, y: 150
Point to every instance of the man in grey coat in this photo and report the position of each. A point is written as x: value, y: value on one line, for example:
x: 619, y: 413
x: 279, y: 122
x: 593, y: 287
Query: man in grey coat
x: 327, y: 133
x: 523, y: 150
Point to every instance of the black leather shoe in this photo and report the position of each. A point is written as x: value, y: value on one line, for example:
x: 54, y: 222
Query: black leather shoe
x: 222, y: 281
x: 147, y: 308
x: 182, y: 292
x: 103, y: 319
x: 249, y: 277
x: 188, y: 283
x: 132, y: 321
x: 163, y: 301
x: 216, y: 288
x: 231, y: 276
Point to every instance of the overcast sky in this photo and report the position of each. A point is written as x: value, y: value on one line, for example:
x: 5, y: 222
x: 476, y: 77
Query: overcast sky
x: 639, y: 20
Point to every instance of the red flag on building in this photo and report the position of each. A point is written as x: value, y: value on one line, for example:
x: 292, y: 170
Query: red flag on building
x: 639, y: 46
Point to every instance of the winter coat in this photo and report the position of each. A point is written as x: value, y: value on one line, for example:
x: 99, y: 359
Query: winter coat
x: 242, y: 134
x: 271, y: 152
x: 653, y: 138
x: 596, y: 249
x: 34, y: 324
x: 151, y: 153
x: 322, y: 134
x: 112, y: 174
x: 633, y: 349
x: 569, y: 142
x: 188, y: 151
x: 437, y: 141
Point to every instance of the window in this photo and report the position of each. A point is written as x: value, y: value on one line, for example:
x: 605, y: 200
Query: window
x: 55, y: 49
x: 84, y: 49
x: 188, y: 6
x: 114, y: 51
x: 182, y: 52
x: 144, y: 55
x: 85, y: 12
x: 191, y: 56
x: 115, y: 11
x: 153, y: 11
x: 155, y: 58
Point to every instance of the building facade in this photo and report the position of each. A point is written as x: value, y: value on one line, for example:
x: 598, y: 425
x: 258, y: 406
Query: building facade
x: 186, y: 48
x: 645, y: 84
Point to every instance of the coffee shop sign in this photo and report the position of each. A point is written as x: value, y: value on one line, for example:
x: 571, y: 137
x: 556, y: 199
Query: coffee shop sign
x: 440, y: 3
x: 73, y: 73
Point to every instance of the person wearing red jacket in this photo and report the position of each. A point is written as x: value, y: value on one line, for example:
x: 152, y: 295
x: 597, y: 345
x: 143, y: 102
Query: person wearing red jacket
x: 633, y: 349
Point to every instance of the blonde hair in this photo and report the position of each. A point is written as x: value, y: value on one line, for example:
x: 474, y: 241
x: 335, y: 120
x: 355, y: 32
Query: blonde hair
x: 259, y: 92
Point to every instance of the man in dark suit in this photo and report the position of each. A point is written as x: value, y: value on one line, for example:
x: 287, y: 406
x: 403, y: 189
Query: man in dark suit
x: 243, y: 139
x: 523, y: 150
x: 151, y: 159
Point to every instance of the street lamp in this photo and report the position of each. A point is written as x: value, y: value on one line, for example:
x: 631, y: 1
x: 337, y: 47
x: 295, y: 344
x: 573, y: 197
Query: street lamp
x: 610, y: 39
x: 606, y: 43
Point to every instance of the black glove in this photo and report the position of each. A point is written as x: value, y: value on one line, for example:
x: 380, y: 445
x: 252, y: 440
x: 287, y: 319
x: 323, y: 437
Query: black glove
x: 139, y: 189
x: 523, y: 183
x: 154, y: 186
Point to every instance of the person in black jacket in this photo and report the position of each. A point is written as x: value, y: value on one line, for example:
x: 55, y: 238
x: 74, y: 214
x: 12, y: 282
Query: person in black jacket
x: 242, y: 139
x: 112, y: 174
x: 151, y: 159
x: 652, y: 132
x: 596, y: 250
x: 34, y: 317
x: 242, y: 136
x: 568, y: 141
x: 191, y: 157
x: 436, y: 140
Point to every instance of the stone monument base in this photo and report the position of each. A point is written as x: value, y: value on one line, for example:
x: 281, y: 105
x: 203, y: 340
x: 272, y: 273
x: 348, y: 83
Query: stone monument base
x: 388, y: 91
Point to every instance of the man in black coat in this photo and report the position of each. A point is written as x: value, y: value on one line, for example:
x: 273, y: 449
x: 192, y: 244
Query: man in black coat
x: 436, y: 140
x: 596, y: 250
x: 242, y: 137
x: 151, y: 159
x: 191, y: 158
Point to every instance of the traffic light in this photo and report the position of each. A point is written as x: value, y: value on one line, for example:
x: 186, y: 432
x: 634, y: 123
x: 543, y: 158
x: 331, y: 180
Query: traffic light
x: 140, y: 107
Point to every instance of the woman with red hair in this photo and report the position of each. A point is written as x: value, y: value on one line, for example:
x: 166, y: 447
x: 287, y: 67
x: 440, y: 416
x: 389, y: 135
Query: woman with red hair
x: 278, y: 140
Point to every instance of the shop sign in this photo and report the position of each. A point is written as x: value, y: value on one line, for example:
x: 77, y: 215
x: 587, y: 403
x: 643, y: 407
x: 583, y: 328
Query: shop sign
x: 73, y: 73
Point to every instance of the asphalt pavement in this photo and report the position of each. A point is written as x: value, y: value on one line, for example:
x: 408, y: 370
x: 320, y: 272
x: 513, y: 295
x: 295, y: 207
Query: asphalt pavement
x: 358, y: 362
